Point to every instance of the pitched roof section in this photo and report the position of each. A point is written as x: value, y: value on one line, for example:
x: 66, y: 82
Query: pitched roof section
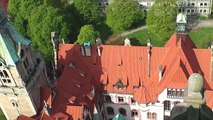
x: 127, y: 67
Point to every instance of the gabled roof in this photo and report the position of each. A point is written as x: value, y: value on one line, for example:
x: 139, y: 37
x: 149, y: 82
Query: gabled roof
x: 80, y: 75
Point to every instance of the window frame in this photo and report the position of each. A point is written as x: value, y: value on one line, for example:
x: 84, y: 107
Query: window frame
x: 110, y: 111
x: 122, y: 111
x: 120, y: 99
x: 134, y: 113
x: 167, y: 105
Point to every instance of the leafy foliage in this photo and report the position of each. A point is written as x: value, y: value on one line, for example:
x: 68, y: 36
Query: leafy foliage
x: 161, y: 18
x: 36, y: 19
x: 89, y: 9
x: 87, y: 33
x: 123, y: 15
x: 45, y: 19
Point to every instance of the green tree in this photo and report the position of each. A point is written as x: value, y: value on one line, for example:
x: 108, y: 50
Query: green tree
x: 89, y: 10
x: 45, y: 19
x: 123, y: 15
x: 87, y: 33
x: 19, y: 11
x: 161, y: 18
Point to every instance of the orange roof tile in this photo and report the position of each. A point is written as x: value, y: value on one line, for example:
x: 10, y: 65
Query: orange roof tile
x: 80, y: 74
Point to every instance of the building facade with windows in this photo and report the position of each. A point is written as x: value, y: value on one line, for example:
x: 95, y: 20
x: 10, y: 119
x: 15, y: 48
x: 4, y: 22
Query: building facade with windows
x: 22, y: 73
x: 192, y: 7
x: 100, y: 82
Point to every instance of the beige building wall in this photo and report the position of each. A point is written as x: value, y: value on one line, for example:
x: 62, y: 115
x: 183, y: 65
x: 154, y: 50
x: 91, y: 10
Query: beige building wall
x: 21, y: 95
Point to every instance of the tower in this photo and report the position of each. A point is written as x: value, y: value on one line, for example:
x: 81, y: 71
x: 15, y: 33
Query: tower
x: 22, y: 73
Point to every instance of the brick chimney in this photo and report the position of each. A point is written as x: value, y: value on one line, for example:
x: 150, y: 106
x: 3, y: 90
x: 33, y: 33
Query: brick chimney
x: 99, y: 43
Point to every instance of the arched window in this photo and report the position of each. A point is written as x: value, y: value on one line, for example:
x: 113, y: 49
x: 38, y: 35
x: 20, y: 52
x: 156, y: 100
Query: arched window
x: 5, y: 74
x: 166, y: 105
x: 110, y: 111
x: 122, y: 111
x: 154, y: 116
x: 108, y: 98
x: 134, y: 113
x: 176, y: 102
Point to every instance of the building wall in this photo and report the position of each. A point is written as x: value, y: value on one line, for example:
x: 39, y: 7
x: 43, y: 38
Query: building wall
x: 193, y: 7
x: 21, y: 95
x: 142, y: 109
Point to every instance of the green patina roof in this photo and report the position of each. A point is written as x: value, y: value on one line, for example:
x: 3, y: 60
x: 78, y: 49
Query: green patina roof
x: 9, y: 40
x: 119, y: 117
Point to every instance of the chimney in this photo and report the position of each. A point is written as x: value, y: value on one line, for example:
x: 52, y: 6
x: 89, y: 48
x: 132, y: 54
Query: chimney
x: 99, y: 50
x: 160, y: 72
x: 55, y: 42
x: 82, y: 50
x: 98, y: 43
x: 127, y: 42
x: 149, y: 46
x: 211, y: 62
x: 87, y: 49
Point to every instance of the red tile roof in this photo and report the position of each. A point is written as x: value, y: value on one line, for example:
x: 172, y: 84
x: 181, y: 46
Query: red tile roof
x: 179, y: 59
x: 128, y: 65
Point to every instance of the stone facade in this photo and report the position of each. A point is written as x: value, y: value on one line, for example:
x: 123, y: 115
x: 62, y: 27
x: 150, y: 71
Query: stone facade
x: 22, y: 73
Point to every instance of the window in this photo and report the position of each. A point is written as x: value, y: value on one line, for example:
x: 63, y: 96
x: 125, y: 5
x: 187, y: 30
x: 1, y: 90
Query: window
x: 188, y: 11
x: 204, y: 11
x: 122, y: 111
x: 4, y: 76
x: 149, y: 115
x: 167, y: 105
x: 201, y: 4
x: 205, y: 4
x: 134, y: 113
x: 193, y: 4
x: 201, y: 11
x: 120, y: 99
x: 135, y: 87
x: 110, y: 111
x: 154, y: 116
x: 174, y: 93
x: 14, y: 103
x: 108, y: 98
x: 132, y: 100
x: 176, y: 102
x: 192, y: 10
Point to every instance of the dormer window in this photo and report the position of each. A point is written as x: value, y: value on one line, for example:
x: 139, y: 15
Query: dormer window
x: 135, y: 87
x: 119, y: 85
